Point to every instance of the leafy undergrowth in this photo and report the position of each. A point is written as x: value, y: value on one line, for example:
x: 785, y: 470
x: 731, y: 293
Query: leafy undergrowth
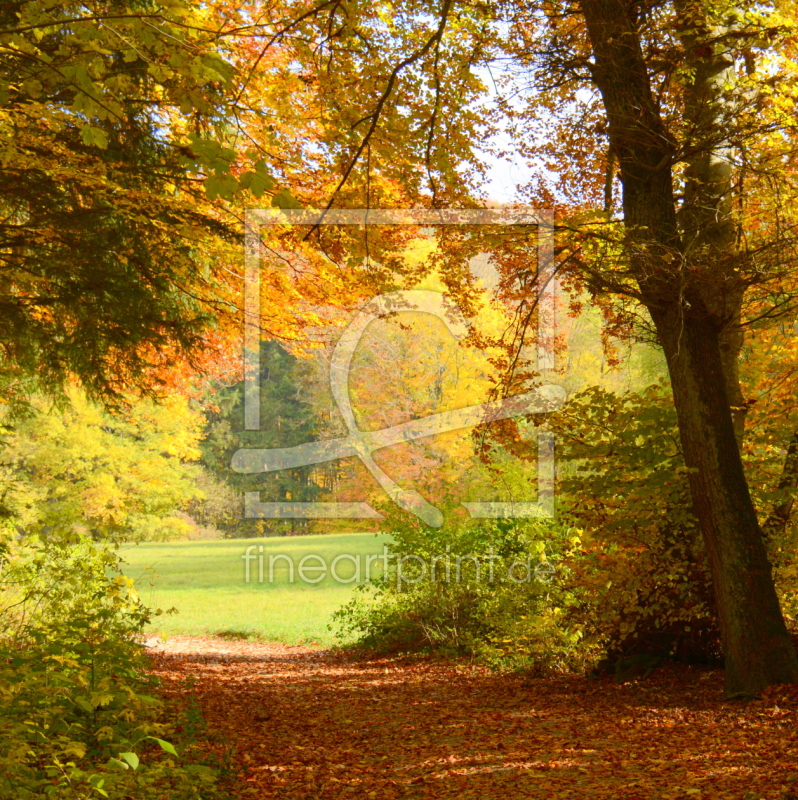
x: 294, y: 722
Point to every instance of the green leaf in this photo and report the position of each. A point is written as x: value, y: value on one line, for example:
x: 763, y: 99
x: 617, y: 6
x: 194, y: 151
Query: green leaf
x: 256, y: 183
x: 284, y: 199
x: 97, y: 782
x: 32, y: 87
x: 84, y: 704
x: 165, y: 746
x: 93, y: 136
x: 221, y: 187
x: 131, y: 759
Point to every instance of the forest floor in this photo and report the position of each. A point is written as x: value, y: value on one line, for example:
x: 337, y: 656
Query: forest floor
x: 302, y: 723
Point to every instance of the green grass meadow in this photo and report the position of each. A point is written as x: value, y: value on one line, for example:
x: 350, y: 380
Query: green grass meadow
x: 206, y: 582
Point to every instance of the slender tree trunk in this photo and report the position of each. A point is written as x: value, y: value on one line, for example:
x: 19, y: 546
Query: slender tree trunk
x: 695, y: 321
x: 788, y: 482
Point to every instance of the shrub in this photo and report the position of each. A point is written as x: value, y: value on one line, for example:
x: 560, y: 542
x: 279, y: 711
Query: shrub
x: 641, y: 571
x: 77, y: 712
x: 486, y: 589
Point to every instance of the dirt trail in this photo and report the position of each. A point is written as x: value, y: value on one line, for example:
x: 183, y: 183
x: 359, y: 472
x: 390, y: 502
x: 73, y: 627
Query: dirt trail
x: 306, y: 723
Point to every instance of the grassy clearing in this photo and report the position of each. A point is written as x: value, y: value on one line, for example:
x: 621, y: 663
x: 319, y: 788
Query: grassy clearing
x: 206, y: 582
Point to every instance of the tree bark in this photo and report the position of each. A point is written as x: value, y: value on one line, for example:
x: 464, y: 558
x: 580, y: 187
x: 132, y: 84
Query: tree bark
x: 707, y: 228
x: 779, y: 517
x: 757, y: 647
x: 695, y: 322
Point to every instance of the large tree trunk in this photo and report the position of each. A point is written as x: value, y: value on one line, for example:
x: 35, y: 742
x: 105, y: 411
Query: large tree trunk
x: 708, y: 230
x: 697, y: 321
x: 756, y: 645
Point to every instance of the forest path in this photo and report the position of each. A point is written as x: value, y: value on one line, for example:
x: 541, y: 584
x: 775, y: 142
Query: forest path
x: 302, y: 723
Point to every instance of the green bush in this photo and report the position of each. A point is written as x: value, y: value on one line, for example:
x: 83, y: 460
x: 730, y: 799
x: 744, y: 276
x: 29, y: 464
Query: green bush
x: 486, y: 589
x: 77, y: 712
x: 641, y: 572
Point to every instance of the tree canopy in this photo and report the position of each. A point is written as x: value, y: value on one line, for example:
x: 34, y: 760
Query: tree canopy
x: 135, y: 135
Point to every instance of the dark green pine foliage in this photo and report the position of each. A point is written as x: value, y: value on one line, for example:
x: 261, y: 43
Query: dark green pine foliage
x: 286, y: 420
x: 107, y: 242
